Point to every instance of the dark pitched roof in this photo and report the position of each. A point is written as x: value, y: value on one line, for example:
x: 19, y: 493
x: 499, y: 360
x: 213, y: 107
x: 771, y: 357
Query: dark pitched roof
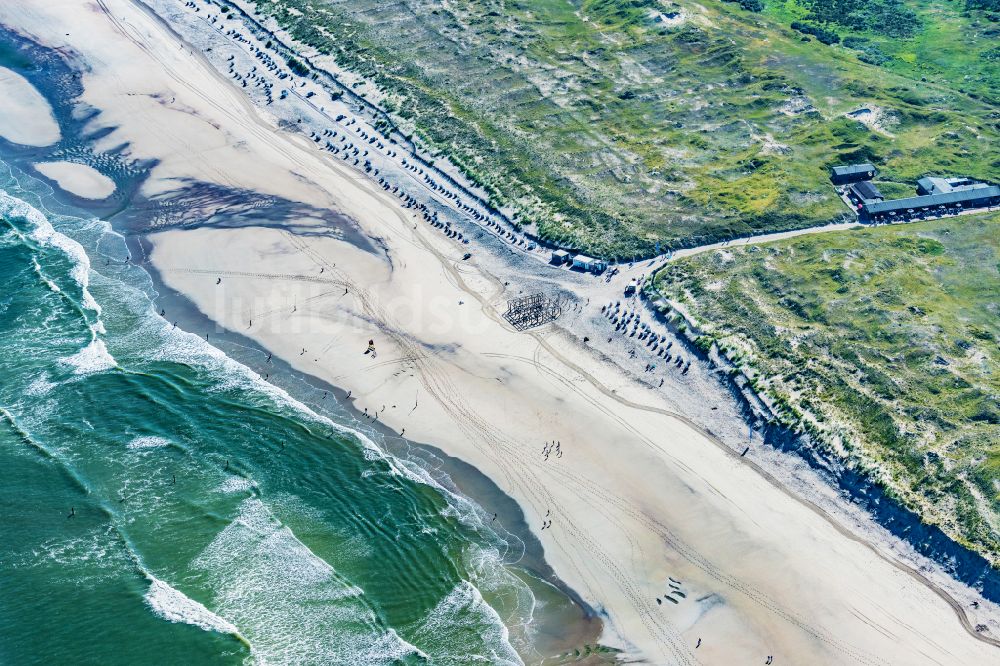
x: 942, y: 199
x: 849, y: 169
x: 928, y: 183
x: 866, y: 190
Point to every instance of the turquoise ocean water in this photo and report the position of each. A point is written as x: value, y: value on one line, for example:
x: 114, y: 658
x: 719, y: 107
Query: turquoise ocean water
x: 162, y: 504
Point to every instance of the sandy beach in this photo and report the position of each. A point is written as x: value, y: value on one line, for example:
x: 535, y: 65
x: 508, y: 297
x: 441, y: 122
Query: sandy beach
x: 690, y: 553
x: 79, y: 179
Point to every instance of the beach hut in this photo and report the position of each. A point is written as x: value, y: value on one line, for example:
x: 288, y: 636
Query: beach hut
x: 559, y: 257
x: 589, y: 264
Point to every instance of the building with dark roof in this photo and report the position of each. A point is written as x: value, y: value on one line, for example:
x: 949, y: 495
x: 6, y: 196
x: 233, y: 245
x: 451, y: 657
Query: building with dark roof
x: 981, y: 196
x: 852, y: 173
x: 864, y: 192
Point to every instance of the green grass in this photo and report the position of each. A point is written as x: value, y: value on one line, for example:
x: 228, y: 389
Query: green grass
x: 607, y: 130
x: 884, y: 343
x: 935, y: 41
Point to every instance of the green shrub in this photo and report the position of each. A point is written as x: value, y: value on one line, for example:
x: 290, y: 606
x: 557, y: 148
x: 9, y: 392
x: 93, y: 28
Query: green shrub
x: 822, y: 34
x: 891, y: 18
x: 297, y: 67
x: 750, y: 5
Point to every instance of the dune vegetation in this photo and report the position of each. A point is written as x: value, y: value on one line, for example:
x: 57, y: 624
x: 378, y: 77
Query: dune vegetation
x: 883, y: 343
x: 611, y: 125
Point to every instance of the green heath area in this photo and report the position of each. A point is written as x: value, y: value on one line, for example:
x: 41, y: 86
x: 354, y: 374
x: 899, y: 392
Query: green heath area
x: 611, y: 125
x: 882, y: 344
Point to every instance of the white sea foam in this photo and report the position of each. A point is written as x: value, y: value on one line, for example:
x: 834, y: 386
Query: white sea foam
x: 45, y: 278
x: 90, y: 555
x: 39, y: 386
x: 174, y: 606
x: 95, y: 356
x: 465, y: 604
x: 43, y: 233
x: 148, y: 442
x: 288, y: 602
x: 236, y: 484
x: 92, y: 358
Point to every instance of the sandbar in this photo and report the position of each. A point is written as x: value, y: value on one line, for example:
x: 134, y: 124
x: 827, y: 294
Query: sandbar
x: 25, y: 115
x: 79, y: 179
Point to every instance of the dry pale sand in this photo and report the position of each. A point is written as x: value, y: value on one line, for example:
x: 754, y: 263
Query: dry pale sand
x: 638, y: 495
x: 79, y: 179
x: 25, y: 115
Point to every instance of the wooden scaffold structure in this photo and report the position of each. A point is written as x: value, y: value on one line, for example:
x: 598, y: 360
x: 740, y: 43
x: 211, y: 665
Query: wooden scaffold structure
x: 529, y: 311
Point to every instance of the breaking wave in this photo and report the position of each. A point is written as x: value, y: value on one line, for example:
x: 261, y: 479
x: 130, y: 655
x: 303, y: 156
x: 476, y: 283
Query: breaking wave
x: 290, y: 604
x: 174, y: 606
x: 92, y: 358
x: 148, y: 442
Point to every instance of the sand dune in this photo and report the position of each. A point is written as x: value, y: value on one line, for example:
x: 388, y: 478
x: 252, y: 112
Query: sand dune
x: 638, y: 499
